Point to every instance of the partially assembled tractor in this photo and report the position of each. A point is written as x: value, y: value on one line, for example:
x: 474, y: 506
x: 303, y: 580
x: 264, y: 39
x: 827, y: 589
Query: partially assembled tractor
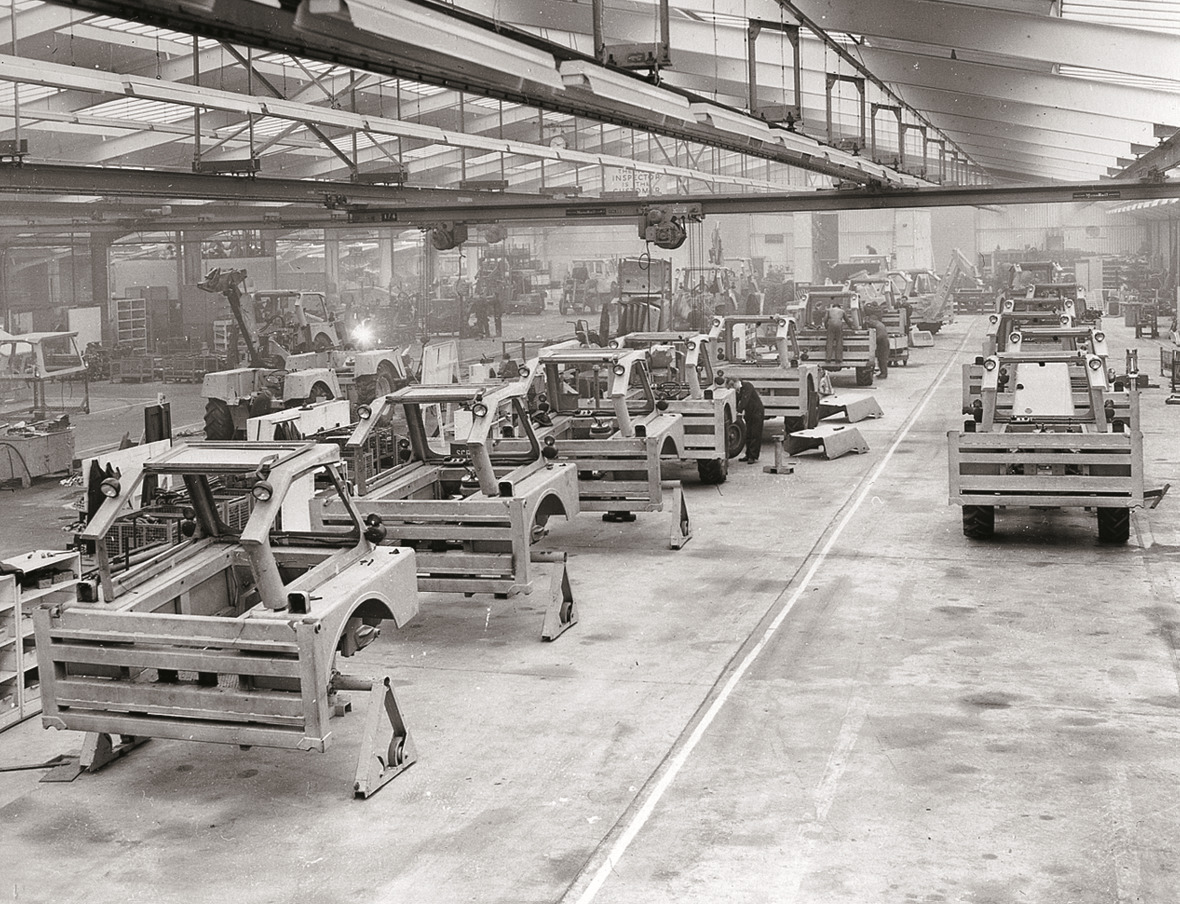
x: 277, y: 377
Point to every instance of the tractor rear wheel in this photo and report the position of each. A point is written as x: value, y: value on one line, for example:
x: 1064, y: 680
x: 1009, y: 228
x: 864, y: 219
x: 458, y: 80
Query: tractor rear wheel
x: 1114, y: 525
x: 713, y: 470
x: 387, y: 379
x: 219, y: 421
x: 979, y: 521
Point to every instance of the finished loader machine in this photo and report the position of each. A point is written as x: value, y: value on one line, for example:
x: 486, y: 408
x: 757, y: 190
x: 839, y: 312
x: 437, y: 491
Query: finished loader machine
x: 230, y: 636
x: 1049, y: 432
x: 467, y: 486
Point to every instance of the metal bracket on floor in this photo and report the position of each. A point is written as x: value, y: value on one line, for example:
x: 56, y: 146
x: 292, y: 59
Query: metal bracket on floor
x: 99, y: 750
x: 386, y: 747
x: 834, y: 440
x: 681, y: 531
x: 781, y: 464
x: 561, y: 612
x: 1156, y: 495
x: 856, y: 407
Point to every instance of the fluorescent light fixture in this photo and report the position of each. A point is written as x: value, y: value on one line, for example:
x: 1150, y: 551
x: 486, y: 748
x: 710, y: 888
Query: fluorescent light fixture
x: 619, y: 88
x: 732, y: 123
x: 454, y: 42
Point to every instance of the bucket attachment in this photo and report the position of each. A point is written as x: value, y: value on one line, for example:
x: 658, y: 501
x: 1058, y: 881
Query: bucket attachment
x: 835, y: 441
x: 855, y: 406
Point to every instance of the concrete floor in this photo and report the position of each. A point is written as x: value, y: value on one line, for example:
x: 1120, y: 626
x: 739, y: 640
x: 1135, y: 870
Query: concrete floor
x: 829, y: 695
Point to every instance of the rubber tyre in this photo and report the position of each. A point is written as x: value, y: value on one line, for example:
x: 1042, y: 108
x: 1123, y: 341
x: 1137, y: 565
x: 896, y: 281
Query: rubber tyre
x: 864, y: 376
x: 387, y: 379
x: 735, y: 436
x: 219, y: 421
x: 1114, y: 525
x: 812, y: 418
x: 713, y: 470
x: 979, y: 521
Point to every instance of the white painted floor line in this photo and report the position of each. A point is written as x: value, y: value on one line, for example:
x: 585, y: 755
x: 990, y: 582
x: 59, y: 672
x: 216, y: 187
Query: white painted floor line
x: 680, y: 757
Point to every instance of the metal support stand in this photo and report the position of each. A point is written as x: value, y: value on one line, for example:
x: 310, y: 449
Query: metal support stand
x: 386, y: 748
x: 561, y: 612
x: 98, y: 749
x: 781, y: 464
x: 681, y: 526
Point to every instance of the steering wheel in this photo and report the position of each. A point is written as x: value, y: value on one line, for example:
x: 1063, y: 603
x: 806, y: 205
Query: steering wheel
x: 668, y: 389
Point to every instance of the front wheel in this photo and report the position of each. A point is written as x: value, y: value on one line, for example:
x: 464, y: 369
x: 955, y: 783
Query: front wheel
x: 1114, y: 525
x: 979, y: 521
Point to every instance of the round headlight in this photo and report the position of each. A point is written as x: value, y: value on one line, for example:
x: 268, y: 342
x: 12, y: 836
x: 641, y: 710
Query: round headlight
x: 990, y: 364
x: 1095, y: 364
x: 364, y: 412
x: 524, y: 371
x: 1100, y: 336
x: 1064, y: 320
x: 614, y: 343
x: 110, y: 488
x: 692, y: 346
x: 1014, y: 337
x: 620, y: 370
x: 549, y: 441
x: 262, y: 491
x: 479, y: 409
x: 716, y: 321
x: 993, y: 318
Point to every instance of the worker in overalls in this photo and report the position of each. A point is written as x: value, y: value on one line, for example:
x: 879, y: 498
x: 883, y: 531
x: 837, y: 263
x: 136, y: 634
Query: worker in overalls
x: 872, y: 313
x: 751, y: 410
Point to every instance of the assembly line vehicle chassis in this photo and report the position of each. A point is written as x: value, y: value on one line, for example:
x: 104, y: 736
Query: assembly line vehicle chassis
x: 467, y: 486
x: 1041, y: 338
x: 230, y: 637
x: 858, y: 347
x: 607, y: 420
x: 764, y: 349
x: 1040, y: 447
x: 681, y: 369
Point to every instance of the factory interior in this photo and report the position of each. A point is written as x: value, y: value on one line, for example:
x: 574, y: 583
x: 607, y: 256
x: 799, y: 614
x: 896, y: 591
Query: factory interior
x: 589, y: 451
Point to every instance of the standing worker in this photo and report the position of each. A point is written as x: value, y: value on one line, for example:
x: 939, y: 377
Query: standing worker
x: 834, y: 328
x: 751, y: 410
x: 498, y: 310
x: 873, y: 320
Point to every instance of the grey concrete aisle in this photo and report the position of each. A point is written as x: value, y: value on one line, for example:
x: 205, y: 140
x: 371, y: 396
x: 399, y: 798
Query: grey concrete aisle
x: 928, y: 720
